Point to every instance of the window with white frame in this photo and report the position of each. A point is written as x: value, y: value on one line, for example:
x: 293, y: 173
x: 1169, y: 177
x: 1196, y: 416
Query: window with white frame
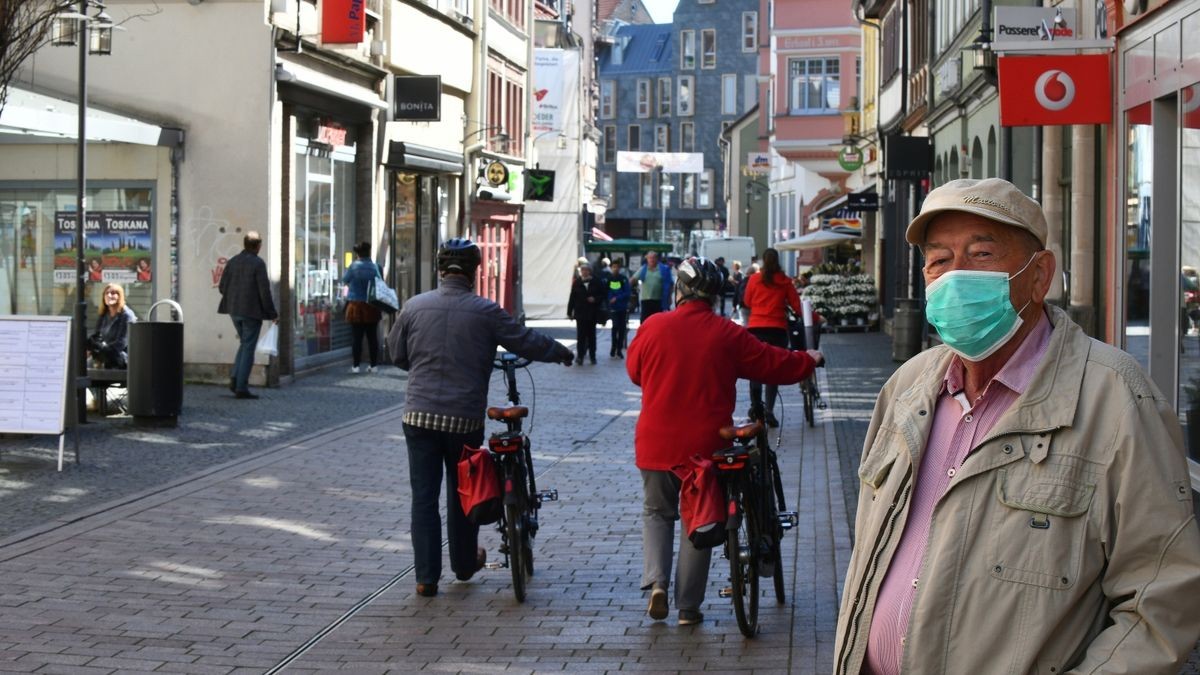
x: 662, y: 138
x: 687, y: 49
x: 633, y: 138
x: 749, y: 92
x: 749, y: 31
x: 608, y: 99
x: 664, y: 96
x: 646, y: 190
x: 704, y: 192
x: 708, y: 48
x: 687, y: 136
x: 687, y: 86
x: 606, y: 187
x: 687, y: 194
x: 610, y: 143
x: 815, y: 85
x: 643, y: 98
x: 729, y: 94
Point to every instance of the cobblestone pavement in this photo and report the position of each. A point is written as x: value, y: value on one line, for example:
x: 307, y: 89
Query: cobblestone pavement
x: 271, y: 535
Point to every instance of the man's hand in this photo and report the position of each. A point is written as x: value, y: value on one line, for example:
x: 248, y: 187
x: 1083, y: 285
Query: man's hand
x: 817, y: 356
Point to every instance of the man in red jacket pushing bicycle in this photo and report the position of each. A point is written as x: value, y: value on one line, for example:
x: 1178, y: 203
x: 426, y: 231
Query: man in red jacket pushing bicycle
x: 687, y: 363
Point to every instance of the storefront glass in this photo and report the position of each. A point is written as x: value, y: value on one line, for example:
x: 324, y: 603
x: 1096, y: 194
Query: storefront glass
x: 1138, y: 189
x: 1189, y: 257
x: 404, y: 222
x: 323, y: 239
x: 37, y: 248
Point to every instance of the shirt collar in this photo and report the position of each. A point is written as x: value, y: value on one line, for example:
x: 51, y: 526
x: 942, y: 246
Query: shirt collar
x: 1018, y: 372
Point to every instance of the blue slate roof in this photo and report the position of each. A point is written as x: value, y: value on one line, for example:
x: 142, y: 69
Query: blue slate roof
x: 648, y: 48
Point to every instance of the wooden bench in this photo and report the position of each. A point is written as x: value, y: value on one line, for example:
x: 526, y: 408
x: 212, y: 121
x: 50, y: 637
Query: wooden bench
x: 100, y: 379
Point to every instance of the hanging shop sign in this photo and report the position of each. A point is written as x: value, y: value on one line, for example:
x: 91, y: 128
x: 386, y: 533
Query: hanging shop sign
x: 417, y: 98
x: 1054, y: 90
x: 907, y: 157
x: 758, y: 163
x: 1022, y: 24
x: 496, y: 174
x: 862, y: 201
x: 116, y: 247
x: 539, y: 185
x: 343, y: 22
x: 850, y: 158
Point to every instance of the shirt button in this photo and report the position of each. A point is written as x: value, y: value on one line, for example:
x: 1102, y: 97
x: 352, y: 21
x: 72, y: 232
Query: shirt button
x: 951, y: 473
x: 915, y: 583
x: 968, y: 417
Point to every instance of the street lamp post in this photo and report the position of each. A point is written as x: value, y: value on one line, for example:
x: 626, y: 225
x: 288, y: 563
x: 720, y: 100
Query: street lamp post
x: 666, y: 189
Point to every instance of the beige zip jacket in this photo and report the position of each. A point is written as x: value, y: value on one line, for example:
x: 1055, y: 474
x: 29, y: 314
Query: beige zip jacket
x: 1066, y: 541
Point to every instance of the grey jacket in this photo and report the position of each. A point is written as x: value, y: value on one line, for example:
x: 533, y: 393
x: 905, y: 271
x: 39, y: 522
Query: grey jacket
x: 245, y: 289
x: 446, y: 339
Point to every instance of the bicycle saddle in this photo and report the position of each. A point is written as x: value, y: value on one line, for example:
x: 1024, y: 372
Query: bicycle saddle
x: 514, y: 413
x: 732, y: 432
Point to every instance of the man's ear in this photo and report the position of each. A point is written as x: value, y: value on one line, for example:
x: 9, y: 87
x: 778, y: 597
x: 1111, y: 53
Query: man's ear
x: 1044, y: 267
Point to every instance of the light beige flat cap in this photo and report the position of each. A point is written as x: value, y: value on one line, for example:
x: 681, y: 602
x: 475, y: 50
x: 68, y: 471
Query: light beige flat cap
x: 992, y: 198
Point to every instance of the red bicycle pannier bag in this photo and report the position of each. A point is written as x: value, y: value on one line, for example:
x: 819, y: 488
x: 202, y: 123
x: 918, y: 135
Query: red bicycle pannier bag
x: 479, y: 486
x: 701, y: 502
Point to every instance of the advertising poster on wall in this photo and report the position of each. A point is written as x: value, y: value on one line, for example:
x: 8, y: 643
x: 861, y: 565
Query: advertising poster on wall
x: 116, y: 247
x: 548, y: 85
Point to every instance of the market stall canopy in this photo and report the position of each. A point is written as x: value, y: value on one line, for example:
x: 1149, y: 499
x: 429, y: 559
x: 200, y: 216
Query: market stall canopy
x: 818, y: 239
x: 626, y: 246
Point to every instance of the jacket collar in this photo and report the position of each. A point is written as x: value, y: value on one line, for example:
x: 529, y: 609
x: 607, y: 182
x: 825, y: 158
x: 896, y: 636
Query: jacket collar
x: 455, y: 282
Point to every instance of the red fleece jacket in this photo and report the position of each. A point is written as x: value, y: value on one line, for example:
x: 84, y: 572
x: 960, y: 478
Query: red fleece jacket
x: 687, y: 363
x: 768, y: 304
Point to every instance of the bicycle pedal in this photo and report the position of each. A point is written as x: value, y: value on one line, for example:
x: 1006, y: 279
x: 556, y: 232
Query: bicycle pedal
x: 788, y: 520
x: 821, y: 405
x: 725, y: 593
x: 495, y: 565
x: 547, y: 496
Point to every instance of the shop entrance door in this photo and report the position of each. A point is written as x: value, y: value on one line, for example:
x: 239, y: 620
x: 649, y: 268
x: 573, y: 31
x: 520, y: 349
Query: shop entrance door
x: 495, y: 278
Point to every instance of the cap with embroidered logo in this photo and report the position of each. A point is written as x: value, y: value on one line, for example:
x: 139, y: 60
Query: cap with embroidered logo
x: 992, y: 198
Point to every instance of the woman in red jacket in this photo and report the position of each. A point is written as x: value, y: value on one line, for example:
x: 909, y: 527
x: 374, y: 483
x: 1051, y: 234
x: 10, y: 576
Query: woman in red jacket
x: 768, y: 296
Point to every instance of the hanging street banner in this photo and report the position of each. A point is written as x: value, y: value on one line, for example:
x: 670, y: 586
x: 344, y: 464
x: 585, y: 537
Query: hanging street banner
x: 669, y: 162
x: 116, y: 247
x: 343, y: 22
x: 1054, y: 90
x: 549, y: 83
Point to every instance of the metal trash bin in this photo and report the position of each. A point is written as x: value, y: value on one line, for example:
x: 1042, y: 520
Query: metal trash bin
x: 907, y: 329
x: 156, y: 368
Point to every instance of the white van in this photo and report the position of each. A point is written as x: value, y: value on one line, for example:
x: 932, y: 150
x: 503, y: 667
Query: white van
x: 729, y: 248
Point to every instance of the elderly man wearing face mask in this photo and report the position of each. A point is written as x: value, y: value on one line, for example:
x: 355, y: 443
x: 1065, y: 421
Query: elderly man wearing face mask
x: 1024, y: 501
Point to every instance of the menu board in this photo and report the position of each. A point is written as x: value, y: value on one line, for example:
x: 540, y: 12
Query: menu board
x: 33, y: 373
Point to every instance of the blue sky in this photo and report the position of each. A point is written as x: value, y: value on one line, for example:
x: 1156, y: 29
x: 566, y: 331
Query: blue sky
x: 660, y: 10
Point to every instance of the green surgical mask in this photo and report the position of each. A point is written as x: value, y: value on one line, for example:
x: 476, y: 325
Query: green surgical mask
x: 972, y: 311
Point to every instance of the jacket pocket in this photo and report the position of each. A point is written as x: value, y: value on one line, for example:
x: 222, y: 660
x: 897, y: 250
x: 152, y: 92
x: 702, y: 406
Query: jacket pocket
x: 878, y: 463
x: 1039, y: 524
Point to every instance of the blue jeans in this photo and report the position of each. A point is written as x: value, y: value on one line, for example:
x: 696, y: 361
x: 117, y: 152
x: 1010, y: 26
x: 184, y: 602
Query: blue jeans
x: 428, y: 452
x: 247, y: 332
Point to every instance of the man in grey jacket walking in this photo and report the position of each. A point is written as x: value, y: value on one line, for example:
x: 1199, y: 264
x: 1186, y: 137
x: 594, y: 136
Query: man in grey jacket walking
x: 446, y: 339
x: 246, y: 298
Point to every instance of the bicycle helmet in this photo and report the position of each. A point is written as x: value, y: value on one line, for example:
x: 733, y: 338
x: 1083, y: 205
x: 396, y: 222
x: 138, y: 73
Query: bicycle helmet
x: 459, y: 255
x: 699, y: 278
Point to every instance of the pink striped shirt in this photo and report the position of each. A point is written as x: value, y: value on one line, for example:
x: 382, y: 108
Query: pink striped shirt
x: 957, y: 427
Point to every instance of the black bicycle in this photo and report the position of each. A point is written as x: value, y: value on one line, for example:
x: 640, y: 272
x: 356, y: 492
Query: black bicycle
x: 799, y: 337
x: 758, y: 518
x: 510, y: 450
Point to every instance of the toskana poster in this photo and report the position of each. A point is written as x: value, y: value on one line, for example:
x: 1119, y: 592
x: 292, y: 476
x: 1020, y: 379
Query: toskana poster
x: 116, y: 247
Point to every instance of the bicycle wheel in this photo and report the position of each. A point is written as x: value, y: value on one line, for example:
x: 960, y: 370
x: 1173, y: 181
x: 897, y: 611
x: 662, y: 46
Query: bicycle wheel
x: 743, y: 570
x: 515, y: 532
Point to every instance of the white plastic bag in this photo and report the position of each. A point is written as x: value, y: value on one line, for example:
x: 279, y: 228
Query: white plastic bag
x: 268, y: 342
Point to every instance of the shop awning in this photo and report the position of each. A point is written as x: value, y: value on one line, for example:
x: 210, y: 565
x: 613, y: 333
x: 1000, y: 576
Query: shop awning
x: 626, y: 246
x: 403, y: 155
x: 29, y: 117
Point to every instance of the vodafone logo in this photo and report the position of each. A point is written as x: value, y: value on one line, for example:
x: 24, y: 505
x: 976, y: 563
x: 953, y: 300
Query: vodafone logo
x: 1054, y: 90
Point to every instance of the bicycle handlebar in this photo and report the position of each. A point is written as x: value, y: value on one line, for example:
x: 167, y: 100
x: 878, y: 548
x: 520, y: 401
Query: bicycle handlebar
x: 503, y: 359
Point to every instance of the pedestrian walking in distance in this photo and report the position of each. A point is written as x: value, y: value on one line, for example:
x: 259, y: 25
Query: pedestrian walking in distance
x: 362, y: 316
x: 618, y: 307
x: 246, y: 298
x: 446, y: 339
x: 588, y: 299
x: 1025, y: 505
x: 654, y: 286
x: 769, y: 294
x: 687, y: 363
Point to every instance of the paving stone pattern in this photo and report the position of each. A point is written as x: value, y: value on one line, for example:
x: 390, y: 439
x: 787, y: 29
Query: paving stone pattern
x: 272, y: 532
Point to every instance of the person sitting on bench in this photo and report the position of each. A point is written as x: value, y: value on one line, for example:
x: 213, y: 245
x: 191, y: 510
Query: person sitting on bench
x: 108, y: 345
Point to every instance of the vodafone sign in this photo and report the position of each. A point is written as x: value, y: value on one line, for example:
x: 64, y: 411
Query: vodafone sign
x: 1053, y: 90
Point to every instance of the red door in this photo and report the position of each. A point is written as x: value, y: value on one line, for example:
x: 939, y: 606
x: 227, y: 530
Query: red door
x: 496, y: 276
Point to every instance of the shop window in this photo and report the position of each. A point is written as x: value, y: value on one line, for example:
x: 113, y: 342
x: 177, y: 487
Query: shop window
x: 1189, y: 256
x: 1139, y: 182
x: 38, y: 255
